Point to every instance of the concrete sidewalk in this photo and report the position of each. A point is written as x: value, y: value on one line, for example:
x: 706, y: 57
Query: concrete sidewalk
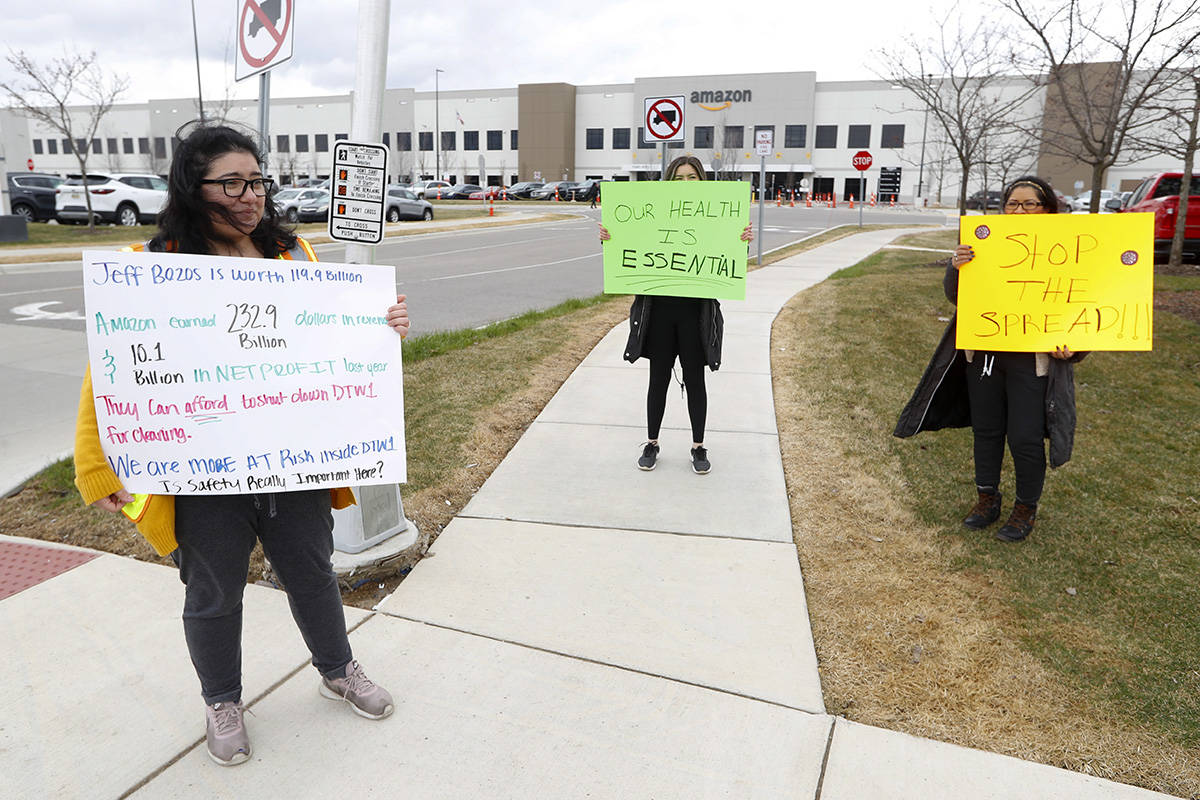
x: 584, y: 629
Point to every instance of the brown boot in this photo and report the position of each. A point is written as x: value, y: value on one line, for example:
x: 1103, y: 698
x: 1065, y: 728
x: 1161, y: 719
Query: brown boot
x: 1020, y: 523
x: 985, y: 512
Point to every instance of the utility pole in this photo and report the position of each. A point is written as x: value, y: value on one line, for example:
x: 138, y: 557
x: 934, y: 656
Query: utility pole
x: 437, y: 152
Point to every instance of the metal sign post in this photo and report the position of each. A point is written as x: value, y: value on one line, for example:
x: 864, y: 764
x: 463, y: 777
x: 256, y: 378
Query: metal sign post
x: 264, y: 40
x: 366, y: 533
x: 764, y: 144
x: 862, y: 162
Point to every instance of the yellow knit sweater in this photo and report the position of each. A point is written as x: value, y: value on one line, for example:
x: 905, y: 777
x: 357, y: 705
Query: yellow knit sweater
x: 96, y: 479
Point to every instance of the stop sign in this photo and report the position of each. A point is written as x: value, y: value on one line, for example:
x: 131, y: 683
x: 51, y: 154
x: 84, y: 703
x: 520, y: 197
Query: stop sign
x: 29, y: 163
x: 862, y: 160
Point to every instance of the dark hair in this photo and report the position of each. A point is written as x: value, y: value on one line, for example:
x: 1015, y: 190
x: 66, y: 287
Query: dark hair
x: 1045, y: 192
x: 185, y: 223
x: 691, y: 161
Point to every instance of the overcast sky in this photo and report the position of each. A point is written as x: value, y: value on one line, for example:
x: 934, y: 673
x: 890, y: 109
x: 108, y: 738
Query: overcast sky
x: 479, y: 44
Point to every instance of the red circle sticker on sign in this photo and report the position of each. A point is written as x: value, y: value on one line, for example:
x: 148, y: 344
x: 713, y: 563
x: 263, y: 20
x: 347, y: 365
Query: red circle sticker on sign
x: 862, y: 160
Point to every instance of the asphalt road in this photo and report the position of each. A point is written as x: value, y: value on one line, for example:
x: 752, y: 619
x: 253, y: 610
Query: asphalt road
x: 455, y: 279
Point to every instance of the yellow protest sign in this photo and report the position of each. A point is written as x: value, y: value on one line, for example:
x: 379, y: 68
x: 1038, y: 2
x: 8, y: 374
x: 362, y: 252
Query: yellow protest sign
x: 1040, y: 281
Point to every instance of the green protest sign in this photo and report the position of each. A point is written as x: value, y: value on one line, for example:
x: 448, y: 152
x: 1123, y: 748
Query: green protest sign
x: 678, y: 238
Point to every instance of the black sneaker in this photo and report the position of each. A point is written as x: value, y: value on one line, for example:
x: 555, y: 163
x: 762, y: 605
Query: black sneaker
x: 649, y: 457
x: 700, y: 464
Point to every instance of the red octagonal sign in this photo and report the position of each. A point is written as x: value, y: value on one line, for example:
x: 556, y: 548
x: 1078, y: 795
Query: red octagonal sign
x: 862, y: 160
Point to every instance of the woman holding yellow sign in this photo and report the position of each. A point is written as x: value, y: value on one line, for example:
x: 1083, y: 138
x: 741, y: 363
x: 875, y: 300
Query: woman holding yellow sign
x: 1019, y: 397
x: 662, y: 328
x: 218, y: 204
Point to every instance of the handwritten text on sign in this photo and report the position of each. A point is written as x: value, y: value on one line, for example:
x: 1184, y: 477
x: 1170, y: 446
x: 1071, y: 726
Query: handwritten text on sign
x: 218, y: 375
x: 1040, y: 281
x: 676, y: 238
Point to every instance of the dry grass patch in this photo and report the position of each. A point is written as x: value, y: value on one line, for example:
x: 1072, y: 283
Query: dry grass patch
x: 912, y: 632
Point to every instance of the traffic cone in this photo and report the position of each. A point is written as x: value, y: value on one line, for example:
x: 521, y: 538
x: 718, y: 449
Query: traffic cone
x: 778, y: 202
x: 872, y: 199
x: 892, y: 201
x: 439, y: 193
x: 556, y: 198
x: 504, y: 193
x: 792, y: 202
x: 491, y: 208
x: 833, y: 201
x: 852, y: 201
x: 808, y: 201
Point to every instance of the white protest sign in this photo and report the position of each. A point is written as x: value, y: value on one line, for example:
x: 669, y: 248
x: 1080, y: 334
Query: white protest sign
x: 217, y: 375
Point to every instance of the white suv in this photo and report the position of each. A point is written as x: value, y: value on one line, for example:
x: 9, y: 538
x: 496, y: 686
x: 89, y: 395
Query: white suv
x: 126, y: 199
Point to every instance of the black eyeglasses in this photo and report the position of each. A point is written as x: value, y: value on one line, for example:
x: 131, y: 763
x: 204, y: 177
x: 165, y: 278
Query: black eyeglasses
x: 1028, y: 205
x: 236, y: 187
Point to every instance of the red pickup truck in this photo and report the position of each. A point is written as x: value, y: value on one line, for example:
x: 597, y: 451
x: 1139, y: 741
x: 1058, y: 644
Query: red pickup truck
x: 1159, y: 194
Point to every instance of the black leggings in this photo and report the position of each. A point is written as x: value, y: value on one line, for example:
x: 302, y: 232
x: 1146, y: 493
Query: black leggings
x: 674, y: 330
x: 1008, y: 399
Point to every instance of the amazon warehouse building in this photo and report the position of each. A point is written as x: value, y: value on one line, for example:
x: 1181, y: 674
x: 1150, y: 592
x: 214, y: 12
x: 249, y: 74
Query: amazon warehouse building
x: 559, y: 131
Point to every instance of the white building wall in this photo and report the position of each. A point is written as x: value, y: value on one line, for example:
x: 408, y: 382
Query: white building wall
x: 605, y: 107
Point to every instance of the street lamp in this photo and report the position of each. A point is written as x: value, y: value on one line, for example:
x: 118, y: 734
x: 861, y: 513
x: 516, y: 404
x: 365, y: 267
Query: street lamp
x: 437, y: 153
x: 924, y: 131
x: 196, y: 45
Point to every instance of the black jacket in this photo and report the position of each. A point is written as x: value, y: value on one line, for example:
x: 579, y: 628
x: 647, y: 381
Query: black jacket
x: 940, y: 399
x: 712, y: 330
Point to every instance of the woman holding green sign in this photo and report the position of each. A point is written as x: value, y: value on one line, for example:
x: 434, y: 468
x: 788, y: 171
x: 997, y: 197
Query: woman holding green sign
x: 218, y: 204
x: 662, y: 329
x: 1021, y: 397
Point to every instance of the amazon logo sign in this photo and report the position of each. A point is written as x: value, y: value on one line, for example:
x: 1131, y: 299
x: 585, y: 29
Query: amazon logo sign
x: 720, y: 99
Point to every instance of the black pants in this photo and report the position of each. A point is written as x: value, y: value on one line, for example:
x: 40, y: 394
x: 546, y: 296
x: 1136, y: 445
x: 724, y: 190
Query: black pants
x: 674, y: 330
x: 216, y: 535
x: 1008, y: 400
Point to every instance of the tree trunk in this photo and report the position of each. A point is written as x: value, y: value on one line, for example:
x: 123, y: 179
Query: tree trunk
x: 1185, y: 186
x: 87, y: 195
x: 962, y: 186
x: 1097, y: 185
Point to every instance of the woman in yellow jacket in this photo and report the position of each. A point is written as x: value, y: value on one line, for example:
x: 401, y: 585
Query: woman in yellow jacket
x: 217, y: 205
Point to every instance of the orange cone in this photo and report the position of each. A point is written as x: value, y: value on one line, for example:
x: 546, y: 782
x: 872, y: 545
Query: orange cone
x: 892, y: 201
x: 556, y: 194
x: 778, y: 202
x: 491, y: 208
x: 792, y: 202
x: 808, y: 201
x: 872, y: 199
x: 852, y: 201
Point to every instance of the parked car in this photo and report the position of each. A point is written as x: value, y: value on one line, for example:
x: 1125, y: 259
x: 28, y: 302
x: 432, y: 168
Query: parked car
x: 402, y: 203
x: 288, y: 201
x: 31, y: 195
x: 459, y: 191
x: 1159, y: 195
x: 429, y: 189
x: 520, y: 191
x: 1083, y: 201
x: 585, y: 190
x: 125, y: 199
x: 994, y: 199
x: 547, y: 191
x: 489, y: 192
x: 314, y: 207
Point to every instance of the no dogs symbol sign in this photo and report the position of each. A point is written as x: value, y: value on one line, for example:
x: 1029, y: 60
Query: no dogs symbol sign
x: 664, y: 120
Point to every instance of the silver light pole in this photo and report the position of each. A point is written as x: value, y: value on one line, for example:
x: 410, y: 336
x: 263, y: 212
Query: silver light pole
x: 924, y: 132
x: 196, y: 45
x: 437, y: 152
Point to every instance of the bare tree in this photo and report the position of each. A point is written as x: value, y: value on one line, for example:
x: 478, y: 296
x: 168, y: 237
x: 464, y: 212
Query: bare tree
x: 1179, y: 137
x: 976, y: 93
x: 45, y: 92
x: 1103, y: 76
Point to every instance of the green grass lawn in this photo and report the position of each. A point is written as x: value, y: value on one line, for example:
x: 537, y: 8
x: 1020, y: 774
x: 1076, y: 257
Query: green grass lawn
x: 1105, y: 591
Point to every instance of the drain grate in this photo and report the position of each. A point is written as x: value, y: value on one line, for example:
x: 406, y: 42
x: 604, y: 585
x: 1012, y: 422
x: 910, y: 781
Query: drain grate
x: 24, y: 565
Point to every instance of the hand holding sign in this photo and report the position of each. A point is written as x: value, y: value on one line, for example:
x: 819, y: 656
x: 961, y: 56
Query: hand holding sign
x: 1047, y: 282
